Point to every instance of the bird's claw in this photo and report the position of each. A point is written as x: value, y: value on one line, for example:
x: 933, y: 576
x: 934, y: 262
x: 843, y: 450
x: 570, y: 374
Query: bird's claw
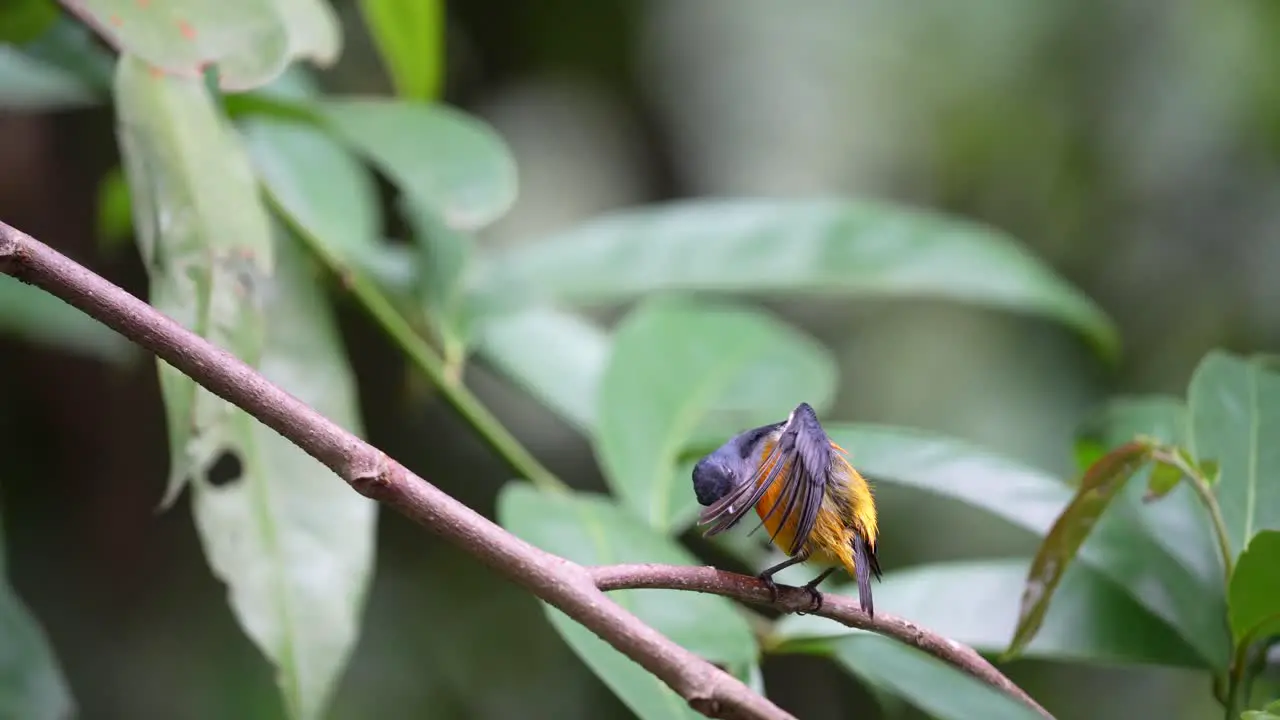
x: 816, y: 605
x: 773, y: 588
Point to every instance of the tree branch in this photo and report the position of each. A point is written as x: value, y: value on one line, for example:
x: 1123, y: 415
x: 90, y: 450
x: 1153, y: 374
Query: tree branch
x: 791, y: 599
x: 563, y: 584
x: 575, y: 590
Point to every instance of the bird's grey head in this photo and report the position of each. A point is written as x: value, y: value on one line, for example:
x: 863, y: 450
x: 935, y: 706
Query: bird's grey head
x: 713, y: 477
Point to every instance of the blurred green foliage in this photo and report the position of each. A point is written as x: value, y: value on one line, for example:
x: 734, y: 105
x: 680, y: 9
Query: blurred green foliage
x: 263, y: 206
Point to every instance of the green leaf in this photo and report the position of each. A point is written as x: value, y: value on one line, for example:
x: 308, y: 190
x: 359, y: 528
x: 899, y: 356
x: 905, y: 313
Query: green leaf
x: 31, y: 683
x: 1099, y: 485
x: 409, y: 35
x: 250, y: 41
x: 1163, y: 479
x: 318, y: 184
x: 445, y: 161
x: 1270, y: 712
x: 925, y: 681
x: 591, y: 530
x: 672, y: 359
x: 557, y: 357
x: 1235, y: 413
x: 293, y: 544
x: 115, y: 211
x: 1032, y: 499
x: 1092, y: 619
x: 34, y: 315
x: 22, y: 21
x: 1254, y: 594
x: 826, y: 247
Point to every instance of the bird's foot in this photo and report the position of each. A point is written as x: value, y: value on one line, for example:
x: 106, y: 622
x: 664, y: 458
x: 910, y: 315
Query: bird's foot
x: 773, y: 587
x: 816, y: 603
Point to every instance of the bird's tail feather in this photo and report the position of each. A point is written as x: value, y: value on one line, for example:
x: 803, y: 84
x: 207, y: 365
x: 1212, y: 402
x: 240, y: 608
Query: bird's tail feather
x: 865, y: 565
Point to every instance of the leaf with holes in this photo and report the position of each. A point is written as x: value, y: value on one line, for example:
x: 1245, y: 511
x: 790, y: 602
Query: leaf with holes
x: 672, y: 360
x: 31, y: 683
x: 291, y: 540
x: 207, y: 266
x: 250, y: 41
x: 293, y: 544
x: 859, y: 249
x: 1235, y: 414
x: 592, y: 530
x: 1033, y: 499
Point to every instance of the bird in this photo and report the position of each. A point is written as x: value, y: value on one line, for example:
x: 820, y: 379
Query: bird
x: 814, y: 504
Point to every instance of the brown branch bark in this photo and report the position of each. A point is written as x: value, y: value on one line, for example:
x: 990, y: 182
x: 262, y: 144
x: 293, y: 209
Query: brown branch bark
x: 576, y: 590
x: 564, y: 584
x: 791, y: 599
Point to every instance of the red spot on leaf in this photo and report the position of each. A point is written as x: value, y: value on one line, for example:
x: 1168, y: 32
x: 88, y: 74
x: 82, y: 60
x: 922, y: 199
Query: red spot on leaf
x: 144, y: 4
x: 115, y: 20
x: 155, y: 72
x: 187, y: 31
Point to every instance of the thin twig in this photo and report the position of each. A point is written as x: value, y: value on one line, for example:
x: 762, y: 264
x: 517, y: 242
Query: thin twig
x: 564, y: 584
x: 835, y: 607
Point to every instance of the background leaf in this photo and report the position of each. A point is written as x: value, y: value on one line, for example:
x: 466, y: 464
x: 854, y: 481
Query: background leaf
x: 832, y: 247
x: 35, y: 315
x: 922, y: 680
x: 1270, y: 712
x: 1254, y: 595
x: 1178, y: 522
x: 250, y: 41
x: 591, y: 530
x: 409, y: 35
x: 22, y: 21
x: 318, y: 184
x: 671, y: 360
x: 1032, y: 499
x: 1092, y: 620
x: 444, y: 258
x: 558, y: 357
x: 31, y: 683
x: 1061, y: 544
x: 292, y: 541
x: 1235, y: 411
x: 445, y: 161
x: 63, y: 68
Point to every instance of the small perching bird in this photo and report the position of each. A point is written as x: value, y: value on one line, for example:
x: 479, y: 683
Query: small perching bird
x: 815, y: 506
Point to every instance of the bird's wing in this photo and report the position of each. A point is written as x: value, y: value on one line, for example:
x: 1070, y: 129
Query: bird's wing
x: 728, y: 510
x: 800, y: 457
x: 805, y: 485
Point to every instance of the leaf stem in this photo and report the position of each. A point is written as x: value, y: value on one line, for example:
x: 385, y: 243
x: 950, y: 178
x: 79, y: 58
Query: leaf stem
x: 1204, y: 490
x: 396, y: 326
